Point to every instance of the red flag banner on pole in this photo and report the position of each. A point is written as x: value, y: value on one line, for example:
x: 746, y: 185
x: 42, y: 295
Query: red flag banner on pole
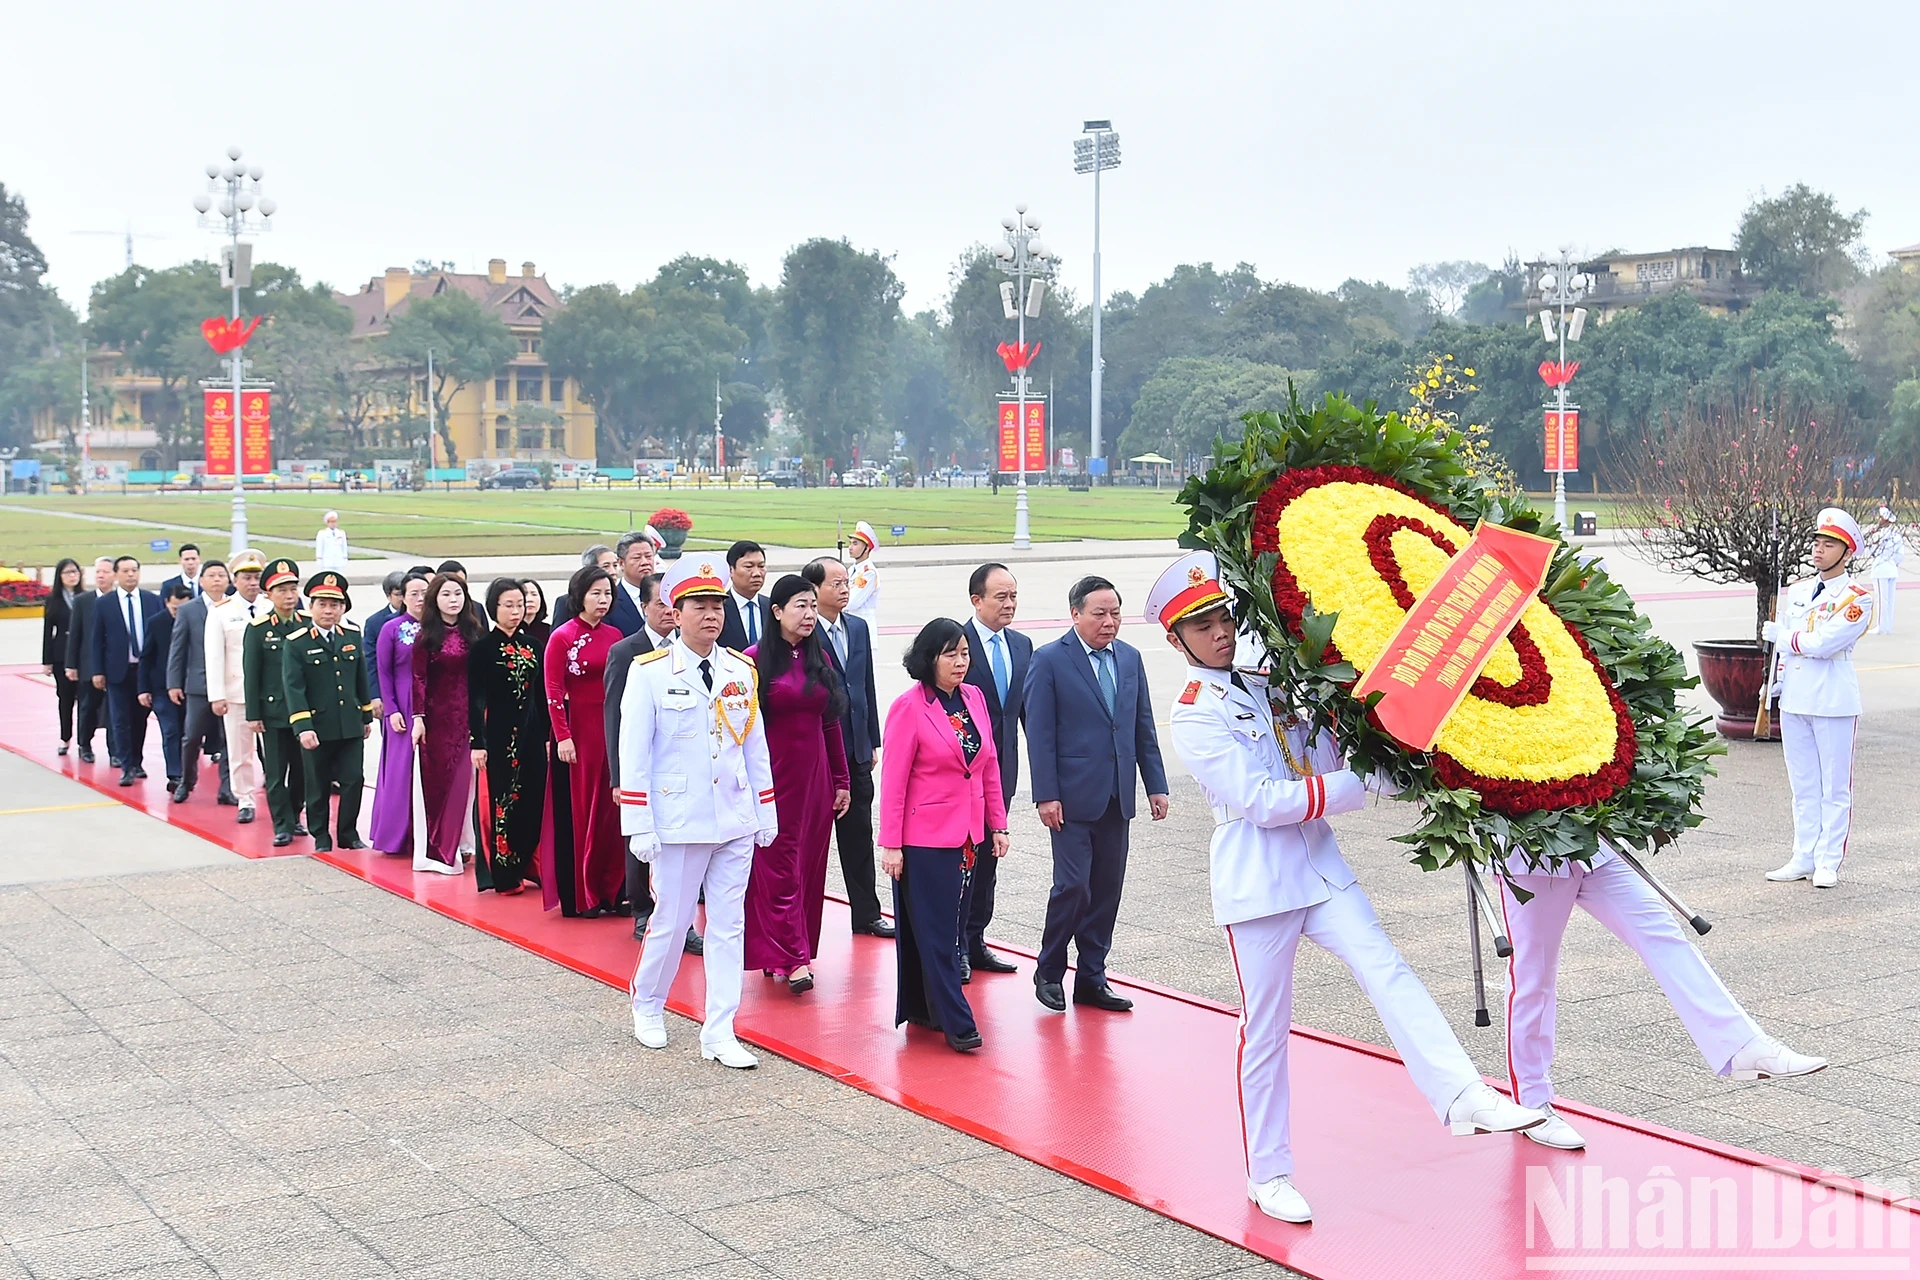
x: 256, y: 433
x: 1451, y: 631
x: 1010, y: 437
x: 1563, y: 441
x: 219, y: 433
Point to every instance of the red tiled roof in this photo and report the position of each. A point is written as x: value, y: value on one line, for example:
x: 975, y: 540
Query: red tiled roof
x: 522, y: 302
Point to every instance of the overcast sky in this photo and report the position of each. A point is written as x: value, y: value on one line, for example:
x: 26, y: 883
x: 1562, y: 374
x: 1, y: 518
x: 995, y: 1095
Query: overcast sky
x: 1316, y: 141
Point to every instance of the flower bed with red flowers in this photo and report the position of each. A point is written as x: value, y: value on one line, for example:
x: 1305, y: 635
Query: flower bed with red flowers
x: 671, y: 518
x: 1572, y: 733
x: 23, y: 593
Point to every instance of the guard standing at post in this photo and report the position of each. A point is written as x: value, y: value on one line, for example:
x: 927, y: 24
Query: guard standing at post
x: 696, y: 799
x: 1278, y: 876
x: 330, y: 707
x: 267, y: 698
x: 1824, y: 617
x: 863, y: 580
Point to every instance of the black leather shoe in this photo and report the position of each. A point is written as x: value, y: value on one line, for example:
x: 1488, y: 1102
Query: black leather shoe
x: 246, y: 815
x: 86, y: 755
x: 963, y: 1043
x: 281, y: 839
x: 966, y: 971
x: 128, y: 779
x: 1102, y: 997
x: 695, y: 946
x: 882, y: 928
x: 180, y: 792
x: 323, y: 844
x: 226, y: 798
x: 114, y: 761
x: 353, y: 842
x: 138, y: 772
x: 1052, y: 995
x: 640, y: 927
x: 213, y: 756
x: 173, y: 783
x: 63, y: 749
x: 985, y: 961
x: 300, y: 829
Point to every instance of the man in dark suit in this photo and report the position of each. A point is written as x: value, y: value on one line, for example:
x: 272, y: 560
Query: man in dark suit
x: 1089, y: 733
x: 637, y: 552
x: 155, y: 654
x: 849, y: 648
x: 599, y: 555
x: 118, y: 633
x: 189, y: 575
x: 1000, y: 657
x: 747, y: 611
x: 93, y: 700
x: 187, y: 686
x: 394, y: 588
x: 655, y: 632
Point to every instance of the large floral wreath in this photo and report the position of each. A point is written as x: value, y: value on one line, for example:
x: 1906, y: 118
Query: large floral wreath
x: 1330, y: 520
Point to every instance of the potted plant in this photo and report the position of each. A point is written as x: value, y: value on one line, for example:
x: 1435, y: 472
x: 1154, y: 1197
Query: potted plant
x: 21, y: 596
x: 673, y: 525
x: 1728, y: 491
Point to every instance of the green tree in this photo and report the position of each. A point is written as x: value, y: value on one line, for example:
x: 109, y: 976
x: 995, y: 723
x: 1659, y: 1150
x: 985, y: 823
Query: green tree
x: 919, y: 397
x: 152, y: 317
x: 690, y: 353
x: 468, y: 343
x: 1800, y: 240
x: 1496, y: 299
x: 833, y: 320
x: 1883, y: 329
x: 1189, y: 401
x: 600, y: 340
x: 1900, y: 440
x: 39, y: 360
x: 1447, y: 283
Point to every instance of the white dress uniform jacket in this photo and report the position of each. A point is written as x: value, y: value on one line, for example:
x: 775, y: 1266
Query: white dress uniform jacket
x: 1272, y: 850
x: 863, y: 593
x: 690, y: 772
x: 225, y: 641
x: 1817, y: 635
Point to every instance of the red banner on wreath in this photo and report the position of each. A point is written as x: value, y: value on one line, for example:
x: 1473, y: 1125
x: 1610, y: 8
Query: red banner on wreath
x: 219, y: 433
x: 1036, y: 435
x: 1450, y: 633
x: 1563, y: 441
x: 256, y: 433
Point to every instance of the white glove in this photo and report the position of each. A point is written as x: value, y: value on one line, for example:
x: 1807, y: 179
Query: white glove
x: 765, y: 836
x: 644, y: 847
x: 1381, y: 783
x: 1770, y: 632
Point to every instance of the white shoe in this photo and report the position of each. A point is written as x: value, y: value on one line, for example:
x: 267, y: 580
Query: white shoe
x: 1794, y: 870
x: 1555, y: 1133
x: 1480, y: 1110
x: 650, y: 1029
x: 1825, y: 878
x: 1765, y: 1058
x: 729, y: 1053
x: 1277, y: 1199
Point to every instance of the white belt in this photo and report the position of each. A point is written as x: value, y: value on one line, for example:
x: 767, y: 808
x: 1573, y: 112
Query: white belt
x: 1222, y: 816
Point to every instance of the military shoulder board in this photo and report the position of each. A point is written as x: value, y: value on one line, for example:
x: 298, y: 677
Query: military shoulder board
x: 1188, y: 694
x: 641, y: 659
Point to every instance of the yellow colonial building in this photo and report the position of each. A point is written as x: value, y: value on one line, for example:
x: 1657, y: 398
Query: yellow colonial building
x: 524, y: 412
x: 1625, y: 280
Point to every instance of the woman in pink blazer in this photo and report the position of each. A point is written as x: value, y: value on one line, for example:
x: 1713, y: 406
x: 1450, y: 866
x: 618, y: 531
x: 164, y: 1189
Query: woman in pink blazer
x: 941, y: 808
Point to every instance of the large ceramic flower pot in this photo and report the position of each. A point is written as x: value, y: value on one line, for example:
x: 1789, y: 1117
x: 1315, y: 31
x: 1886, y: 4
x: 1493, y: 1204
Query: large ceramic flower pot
x: 675, y: 539
x: 1733, y: 671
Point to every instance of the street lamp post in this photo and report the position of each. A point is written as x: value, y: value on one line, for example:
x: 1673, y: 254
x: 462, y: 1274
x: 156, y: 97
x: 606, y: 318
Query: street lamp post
x: 1021, y: 255
x: 1561, y: 286
x: 233, y: 191
x: 1098, y: 151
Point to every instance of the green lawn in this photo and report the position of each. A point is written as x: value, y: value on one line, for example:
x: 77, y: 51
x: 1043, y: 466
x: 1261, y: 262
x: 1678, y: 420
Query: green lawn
x: 38, y: 531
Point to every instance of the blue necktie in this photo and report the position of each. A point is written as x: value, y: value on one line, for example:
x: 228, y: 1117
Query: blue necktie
x: 1104, y: 659
x: 752, y: 610
x: 998, y: 657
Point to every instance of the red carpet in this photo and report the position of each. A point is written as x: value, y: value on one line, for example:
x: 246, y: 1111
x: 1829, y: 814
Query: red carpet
x: 1145, y: 1106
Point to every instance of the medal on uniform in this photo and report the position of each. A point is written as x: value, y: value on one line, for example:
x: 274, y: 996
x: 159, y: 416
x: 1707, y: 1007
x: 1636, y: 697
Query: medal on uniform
x: 733, y: 702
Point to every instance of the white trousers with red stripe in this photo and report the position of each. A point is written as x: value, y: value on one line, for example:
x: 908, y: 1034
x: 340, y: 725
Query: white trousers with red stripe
x: 680, y: 871
x: 1819, y: 751
x: 1615, y: 895
x: 1263, y: 953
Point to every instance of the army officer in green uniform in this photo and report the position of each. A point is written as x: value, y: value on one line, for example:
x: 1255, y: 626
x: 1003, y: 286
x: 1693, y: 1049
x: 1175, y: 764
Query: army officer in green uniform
x: 330, y: 707
x: 267, y: 698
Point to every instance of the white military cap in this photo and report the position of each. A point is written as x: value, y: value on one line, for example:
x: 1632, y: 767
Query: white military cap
x: 1835, y: 523
x: 1189, y: 587
x: 693, y: 576
x: 863, y: 532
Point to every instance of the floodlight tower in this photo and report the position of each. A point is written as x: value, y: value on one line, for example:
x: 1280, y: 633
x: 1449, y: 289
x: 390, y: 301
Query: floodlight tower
x: 1098, y: 150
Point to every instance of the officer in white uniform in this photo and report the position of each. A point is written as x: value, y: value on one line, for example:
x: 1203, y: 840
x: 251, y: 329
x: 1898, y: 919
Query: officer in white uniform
x: 1278, y: 875
x: 225, y: 639
x: 1886, y: 550
x: 696, y: 797
x: 1824, y: 617
x: 863, y: 580
x: 1615, y: 894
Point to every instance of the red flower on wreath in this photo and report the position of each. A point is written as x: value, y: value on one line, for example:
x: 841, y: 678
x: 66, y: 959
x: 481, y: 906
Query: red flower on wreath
x: 671, y: 518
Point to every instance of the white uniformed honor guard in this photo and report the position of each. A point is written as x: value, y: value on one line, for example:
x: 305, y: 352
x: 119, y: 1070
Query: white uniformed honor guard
x: 1824, y: 617
x: 1278, y: 876
x: 1618, y: 897
x: 863, y: 580
x: 696, y: 797
x: 1886, y: 550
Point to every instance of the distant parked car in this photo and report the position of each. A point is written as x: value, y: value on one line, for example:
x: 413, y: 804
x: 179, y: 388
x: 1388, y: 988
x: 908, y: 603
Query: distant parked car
x: 513, y: 478
x: 782, y: 478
